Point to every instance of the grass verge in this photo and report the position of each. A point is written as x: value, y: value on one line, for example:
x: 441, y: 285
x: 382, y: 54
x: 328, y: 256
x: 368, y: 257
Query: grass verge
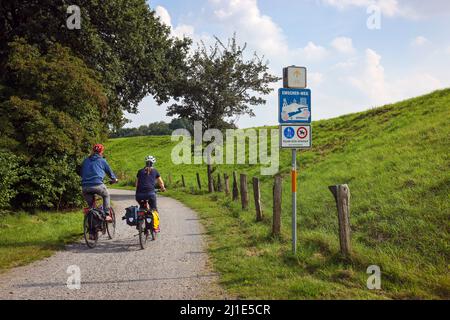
x: 254, y: 265
x: 25, y: 238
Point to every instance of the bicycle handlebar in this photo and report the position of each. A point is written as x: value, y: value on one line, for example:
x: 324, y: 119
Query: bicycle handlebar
x: 113, y: 181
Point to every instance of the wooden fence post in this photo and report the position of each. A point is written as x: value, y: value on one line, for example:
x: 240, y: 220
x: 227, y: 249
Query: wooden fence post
x: 226, y: 179
x: 219, y: 183
x: 257, y: 196
x: 342, y: 196
x: 244, y: 191
x: 210, y: 179
x: 199, y: 182
x: 182, y: 181
x: 277, y: 192
x: 235, y: 187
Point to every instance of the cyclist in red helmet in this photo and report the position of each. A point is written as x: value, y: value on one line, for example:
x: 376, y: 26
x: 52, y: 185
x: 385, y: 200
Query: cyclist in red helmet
x: 93, y: 171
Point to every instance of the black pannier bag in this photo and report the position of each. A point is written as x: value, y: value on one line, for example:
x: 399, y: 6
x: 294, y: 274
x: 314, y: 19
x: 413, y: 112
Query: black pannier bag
x: 95, y: 219
x: 131, y: 215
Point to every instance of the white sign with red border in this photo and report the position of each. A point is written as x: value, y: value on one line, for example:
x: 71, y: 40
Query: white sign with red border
x: 295, y: 136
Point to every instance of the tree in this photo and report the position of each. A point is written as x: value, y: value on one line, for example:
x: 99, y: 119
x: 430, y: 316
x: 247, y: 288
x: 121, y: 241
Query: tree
x: 181, y: 123
x: 153, y: 129
x: 124, y: 41
x: 220, y: 84
x: 159, y: 129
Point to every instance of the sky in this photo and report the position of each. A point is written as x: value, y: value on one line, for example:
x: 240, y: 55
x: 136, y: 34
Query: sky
x: 359, y: 53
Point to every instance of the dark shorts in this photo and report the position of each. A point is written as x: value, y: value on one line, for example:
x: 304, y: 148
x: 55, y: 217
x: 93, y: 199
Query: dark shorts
x: 150, y: 197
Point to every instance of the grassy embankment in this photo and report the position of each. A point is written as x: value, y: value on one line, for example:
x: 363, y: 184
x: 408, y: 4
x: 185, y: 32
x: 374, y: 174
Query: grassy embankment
x: 25, y: 238
x: 396, y: 162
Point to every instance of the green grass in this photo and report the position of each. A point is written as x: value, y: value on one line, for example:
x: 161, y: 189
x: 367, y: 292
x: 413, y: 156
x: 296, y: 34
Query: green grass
x: 25, y: 238
x: 395, y: 160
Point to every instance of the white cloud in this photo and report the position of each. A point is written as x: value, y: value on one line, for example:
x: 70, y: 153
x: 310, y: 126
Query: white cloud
x: 343, y: 45
x: 257, y: 29
x: 315, y: 79
x: 345, y: 65
x: 261, y: 33
x: 181, y: 30
x: 164, y: 15
x: 414, y: 85
x: 419, y: 41
x: 373, y: 83
x: 184, y: 30
x: 313, y: 52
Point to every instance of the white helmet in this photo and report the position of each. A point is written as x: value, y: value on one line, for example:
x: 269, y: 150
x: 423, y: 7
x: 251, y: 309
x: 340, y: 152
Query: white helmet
x: 151, y: 159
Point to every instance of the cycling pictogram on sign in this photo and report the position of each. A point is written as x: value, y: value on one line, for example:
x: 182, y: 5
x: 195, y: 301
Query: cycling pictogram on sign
x: 289, y: 132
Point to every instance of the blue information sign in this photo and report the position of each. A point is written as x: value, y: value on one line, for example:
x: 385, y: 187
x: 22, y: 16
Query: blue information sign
x: 295, y: 105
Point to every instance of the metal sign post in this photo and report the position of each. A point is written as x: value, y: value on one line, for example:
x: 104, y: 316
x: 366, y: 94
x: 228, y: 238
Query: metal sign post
x: 294, y: 200
x: 295, y: 126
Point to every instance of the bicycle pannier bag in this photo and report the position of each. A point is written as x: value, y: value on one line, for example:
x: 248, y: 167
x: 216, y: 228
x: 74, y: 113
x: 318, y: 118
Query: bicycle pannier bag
x: 95, y: 220
x: 155, y: 219
x: 131, y: 215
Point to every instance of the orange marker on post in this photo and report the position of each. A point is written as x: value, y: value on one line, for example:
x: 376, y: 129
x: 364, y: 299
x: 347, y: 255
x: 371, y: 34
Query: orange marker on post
x: 294, y: 180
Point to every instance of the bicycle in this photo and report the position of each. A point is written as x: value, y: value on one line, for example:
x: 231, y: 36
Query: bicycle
x: 91, y: 233
x: 145, y: 224
x: 142, y: 218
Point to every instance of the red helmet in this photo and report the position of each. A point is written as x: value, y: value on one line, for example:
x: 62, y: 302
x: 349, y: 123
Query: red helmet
x: 98, y: 148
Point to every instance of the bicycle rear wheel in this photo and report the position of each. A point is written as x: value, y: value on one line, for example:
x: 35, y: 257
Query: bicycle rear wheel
x: 91, y: 243
x: 143, y: 235
x: 111, y: 226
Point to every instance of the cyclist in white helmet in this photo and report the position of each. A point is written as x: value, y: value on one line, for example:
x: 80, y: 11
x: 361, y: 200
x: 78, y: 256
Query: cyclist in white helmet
x: 147, y: 178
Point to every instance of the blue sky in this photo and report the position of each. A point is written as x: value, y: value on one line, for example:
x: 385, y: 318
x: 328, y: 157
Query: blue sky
x: 352, y: 66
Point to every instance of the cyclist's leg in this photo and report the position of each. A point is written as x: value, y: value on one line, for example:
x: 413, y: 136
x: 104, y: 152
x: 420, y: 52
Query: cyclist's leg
x: 152, y: 201
x: 153, y: 207
x: 103, y: 192
x: 88, y: 196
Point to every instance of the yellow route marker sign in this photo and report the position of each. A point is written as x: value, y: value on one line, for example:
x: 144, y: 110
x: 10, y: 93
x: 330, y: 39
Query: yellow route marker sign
x: 294, y: 77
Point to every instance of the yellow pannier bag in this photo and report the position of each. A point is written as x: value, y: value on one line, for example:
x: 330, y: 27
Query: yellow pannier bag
x: 155, y: 219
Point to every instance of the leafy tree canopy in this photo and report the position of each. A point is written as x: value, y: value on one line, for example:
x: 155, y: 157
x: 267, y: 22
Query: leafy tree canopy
x: 122, y: 40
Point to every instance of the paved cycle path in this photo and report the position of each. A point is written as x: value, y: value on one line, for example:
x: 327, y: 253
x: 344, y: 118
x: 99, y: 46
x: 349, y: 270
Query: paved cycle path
x: 175, y: 266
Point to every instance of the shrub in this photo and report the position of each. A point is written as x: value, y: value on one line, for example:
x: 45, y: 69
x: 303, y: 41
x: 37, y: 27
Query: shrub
x: 9, y: 175
x: 53, y: 109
